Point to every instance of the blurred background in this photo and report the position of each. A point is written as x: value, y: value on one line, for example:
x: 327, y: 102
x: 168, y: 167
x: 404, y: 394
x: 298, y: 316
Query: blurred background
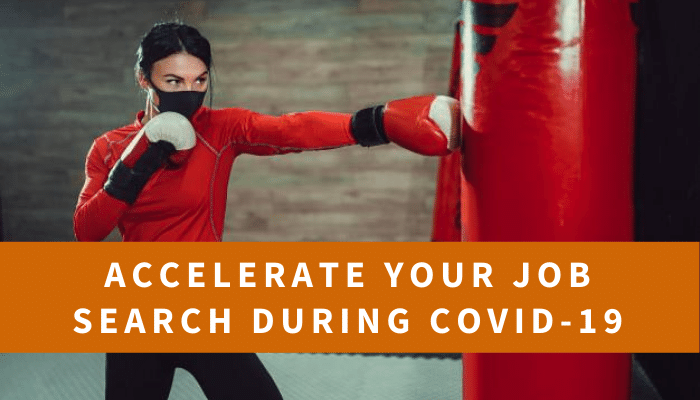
x: 67, y: 76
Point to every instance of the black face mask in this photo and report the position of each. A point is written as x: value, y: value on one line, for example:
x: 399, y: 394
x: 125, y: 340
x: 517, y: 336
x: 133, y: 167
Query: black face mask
x: 184, y: 103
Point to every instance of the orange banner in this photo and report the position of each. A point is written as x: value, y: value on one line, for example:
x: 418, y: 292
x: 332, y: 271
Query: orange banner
x: 349, y: 297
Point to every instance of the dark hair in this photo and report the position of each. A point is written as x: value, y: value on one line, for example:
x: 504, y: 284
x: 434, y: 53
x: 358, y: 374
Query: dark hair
x: 166, y: 39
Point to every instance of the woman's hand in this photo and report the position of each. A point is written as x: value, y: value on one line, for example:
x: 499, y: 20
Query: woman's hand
x: 168, y: 136
x: 428, y: 125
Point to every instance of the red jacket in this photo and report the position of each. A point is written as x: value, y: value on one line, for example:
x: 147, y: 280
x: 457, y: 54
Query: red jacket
x: 188, y: 203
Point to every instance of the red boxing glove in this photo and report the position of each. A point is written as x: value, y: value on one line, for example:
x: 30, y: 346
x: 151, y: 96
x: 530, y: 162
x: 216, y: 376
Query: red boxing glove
x: 427, y: 125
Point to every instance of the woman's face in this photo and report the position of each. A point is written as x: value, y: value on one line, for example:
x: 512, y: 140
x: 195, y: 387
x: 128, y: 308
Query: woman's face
x: 178, y: 72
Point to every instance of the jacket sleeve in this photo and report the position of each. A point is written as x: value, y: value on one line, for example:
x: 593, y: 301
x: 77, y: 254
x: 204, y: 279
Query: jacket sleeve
x: 96, y: 213
x: 312, y: 130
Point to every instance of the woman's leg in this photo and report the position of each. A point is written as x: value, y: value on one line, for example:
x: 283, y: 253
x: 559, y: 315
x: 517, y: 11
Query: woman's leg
x: 135, y: 376
x: 226, y: 376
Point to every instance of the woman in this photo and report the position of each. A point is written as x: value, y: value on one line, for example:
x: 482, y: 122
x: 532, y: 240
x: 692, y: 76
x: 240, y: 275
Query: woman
x: 155, y: 188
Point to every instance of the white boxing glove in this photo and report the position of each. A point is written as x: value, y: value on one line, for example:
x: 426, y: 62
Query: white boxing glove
x: 168, y: 136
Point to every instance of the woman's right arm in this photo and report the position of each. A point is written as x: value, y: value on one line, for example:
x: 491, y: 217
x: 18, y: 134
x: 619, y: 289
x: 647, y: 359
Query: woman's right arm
x: 97, y: 213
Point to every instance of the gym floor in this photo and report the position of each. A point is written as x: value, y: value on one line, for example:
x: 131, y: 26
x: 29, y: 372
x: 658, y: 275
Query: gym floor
x: 298, y: 376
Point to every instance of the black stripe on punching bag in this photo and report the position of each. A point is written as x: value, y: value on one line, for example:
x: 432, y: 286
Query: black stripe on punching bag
x: 489, y: 16
x: 493, y: 15
x: 484, y: 43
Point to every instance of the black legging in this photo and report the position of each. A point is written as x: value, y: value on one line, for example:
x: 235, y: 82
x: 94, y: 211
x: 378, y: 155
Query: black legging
x: 222, y: 376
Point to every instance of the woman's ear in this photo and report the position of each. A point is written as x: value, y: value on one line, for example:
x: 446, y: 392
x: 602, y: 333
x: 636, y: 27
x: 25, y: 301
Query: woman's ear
x: 141, y: 78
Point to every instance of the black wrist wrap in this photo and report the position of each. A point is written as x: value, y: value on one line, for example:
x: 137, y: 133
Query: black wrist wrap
x: 367, y: 127
x: 126, y: 183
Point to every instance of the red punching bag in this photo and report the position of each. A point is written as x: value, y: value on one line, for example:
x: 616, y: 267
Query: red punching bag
x: 548, y: 97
